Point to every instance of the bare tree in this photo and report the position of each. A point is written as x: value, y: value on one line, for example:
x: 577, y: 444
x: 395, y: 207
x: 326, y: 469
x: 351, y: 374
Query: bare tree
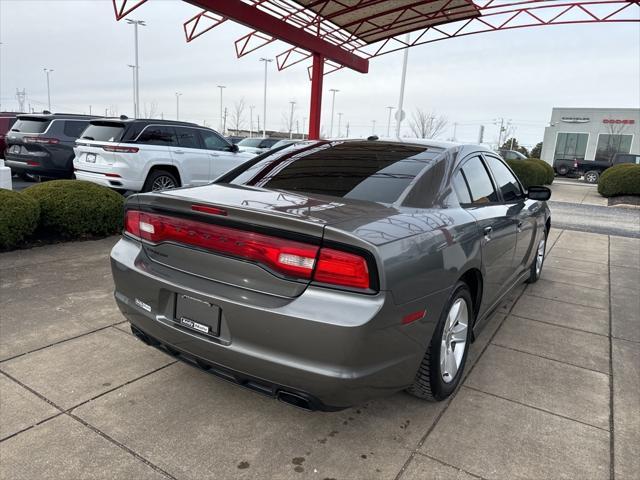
x: 150, y: 109
x: 237, y: 116
x: 427, y: 125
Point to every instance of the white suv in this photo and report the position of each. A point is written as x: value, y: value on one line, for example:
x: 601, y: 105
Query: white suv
x: 150, y: 155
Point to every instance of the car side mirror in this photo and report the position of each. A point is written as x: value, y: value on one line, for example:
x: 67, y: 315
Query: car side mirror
x: 234, y: 148
x: 539, y: 193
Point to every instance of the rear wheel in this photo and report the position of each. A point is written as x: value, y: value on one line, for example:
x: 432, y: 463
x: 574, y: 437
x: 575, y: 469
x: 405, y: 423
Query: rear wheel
x: 591, y: 176
x: 441, y: 369
x: 563, y: 170
x: 159, y: 180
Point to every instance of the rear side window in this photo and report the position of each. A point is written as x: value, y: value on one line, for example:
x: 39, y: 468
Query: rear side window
x: 103, y: 132
x: 158, y: 135
x: 461, y: 189
x: 507, y: 183
x: 359, y: 170
x: 74, y: 128
x: 187, y: 137
x: 479, y: 182
x: 31, y: 125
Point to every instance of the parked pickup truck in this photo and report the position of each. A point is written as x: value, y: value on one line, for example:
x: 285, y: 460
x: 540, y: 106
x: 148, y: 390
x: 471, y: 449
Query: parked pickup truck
x: 591, y: 170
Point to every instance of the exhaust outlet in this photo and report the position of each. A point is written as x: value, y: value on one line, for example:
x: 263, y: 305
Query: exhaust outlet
x: 295, y: 400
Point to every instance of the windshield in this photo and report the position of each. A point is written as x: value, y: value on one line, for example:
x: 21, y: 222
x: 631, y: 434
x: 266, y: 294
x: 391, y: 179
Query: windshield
x: 103, y: 132
x: 31, y: 125
x: 281, y: 143
x: 371, y: 171
x: 250, y: 142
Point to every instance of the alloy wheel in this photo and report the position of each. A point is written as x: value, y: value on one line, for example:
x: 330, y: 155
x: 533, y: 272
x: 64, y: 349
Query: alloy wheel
x: 454, y: 340
x: 591, y: 178
x: 540, y: 256
x: 163, y: 182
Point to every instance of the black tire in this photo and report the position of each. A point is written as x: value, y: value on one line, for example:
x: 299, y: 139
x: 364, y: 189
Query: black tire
x: 429, y: 383
x: 534, y: 271
x: 159, y: 176
x: 563, y: 170
x: 592, y: 176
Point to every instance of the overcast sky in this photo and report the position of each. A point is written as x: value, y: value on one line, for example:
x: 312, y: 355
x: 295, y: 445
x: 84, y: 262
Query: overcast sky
x: 518, y: 75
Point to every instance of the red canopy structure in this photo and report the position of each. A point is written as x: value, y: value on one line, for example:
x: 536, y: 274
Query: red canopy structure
x: 348, y: 33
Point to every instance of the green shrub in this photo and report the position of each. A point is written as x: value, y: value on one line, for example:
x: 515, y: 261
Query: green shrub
x: 75, y: 209
x: 550, y: 174
x: 18, y: 218
x: 623, y: 179
x: 529, y: 172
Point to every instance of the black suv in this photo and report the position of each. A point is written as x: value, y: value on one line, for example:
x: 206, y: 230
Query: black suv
x: 42, y: 144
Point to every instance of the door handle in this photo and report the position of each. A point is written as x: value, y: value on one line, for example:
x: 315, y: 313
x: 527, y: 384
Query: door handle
x: 214, y: 155
x: 487, y: 232
x: 180, y: 152
x: 519, y: 226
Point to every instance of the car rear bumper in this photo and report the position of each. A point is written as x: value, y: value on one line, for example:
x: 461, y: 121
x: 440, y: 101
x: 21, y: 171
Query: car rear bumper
x: 335, y: 348
x: 106, y: 181
x: 36, y: 166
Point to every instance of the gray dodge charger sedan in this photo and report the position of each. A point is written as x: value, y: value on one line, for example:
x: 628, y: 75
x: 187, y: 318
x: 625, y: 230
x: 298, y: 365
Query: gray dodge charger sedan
x: 330, y: 272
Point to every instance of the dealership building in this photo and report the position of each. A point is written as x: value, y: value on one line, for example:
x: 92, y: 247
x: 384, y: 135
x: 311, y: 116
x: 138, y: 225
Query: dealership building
x: 591, y: 133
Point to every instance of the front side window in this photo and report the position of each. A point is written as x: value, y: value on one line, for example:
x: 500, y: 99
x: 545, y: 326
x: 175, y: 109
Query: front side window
x: 358, y: 170
x: 212, y: 141
x: 156, y: 135
x: 610, y: 144
x: 506, y: 182
x: 187, y: 137
x: 480, y: 185
x: 571, y: 146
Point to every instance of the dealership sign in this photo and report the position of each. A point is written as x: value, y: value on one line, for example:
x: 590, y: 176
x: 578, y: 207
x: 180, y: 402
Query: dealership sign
x: 575, y: 119
x: 618, y: 121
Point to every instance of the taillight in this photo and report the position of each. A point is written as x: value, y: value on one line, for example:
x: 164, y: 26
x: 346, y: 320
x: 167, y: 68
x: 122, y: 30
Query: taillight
x: 45, y: 140
x: 288, y: 257
x: 285, y: 256
x: 110, y: 148
x: 342, y: 268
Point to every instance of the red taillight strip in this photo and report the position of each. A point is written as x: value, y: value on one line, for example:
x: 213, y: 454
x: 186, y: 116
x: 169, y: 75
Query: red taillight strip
x: 111, y: 148
x: 285, y: 256
x: 50, y: 141
x: 289, y: 257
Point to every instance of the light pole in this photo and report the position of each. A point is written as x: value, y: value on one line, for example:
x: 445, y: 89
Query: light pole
x: 333, y: 101
x: 135, y: 24
x: 178, y: 95
x: 48, y: 71
x: 304, y: 126
x: 133, y: 70
x: 339, y: 122
x: 389, y: 122
x: 293, y: 105
x: 221, y: 87
x: 266, y: 61
x: 399, y: 112
x: 251, y: 107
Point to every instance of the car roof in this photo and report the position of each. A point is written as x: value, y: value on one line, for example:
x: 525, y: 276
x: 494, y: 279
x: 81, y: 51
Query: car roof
x: 56, y: 116
x: 148, y: 121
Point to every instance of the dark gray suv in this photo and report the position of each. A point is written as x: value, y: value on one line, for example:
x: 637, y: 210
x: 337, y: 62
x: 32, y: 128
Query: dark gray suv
x: 42, y: 144
x: 328, y: 273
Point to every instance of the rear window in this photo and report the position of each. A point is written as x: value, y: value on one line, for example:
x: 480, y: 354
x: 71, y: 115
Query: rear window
x: 370, y: 171
x: 31, y: 125
x: 103, y: 132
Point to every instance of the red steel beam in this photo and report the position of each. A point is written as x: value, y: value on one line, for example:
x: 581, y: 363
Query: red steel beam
x: 253, y: 18
x: 315, y: 108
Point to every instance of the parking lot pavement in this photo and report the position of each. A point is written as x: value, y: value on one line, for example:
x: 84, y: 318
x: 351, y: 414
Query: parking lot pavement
x: 551, y: 389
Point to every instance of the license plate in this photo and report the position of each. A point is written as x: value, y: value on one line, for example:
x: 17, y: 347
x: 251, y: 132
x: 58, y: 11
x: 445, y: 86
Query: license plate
x: 91, y: 158
x: 197, y: 315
